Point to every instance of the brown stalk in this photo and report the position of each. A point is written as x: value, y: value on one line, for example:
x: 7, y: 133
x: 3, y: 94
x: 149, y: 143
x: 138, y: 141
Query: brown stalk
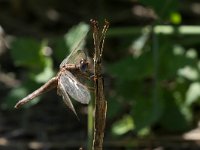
x: 100, y: 102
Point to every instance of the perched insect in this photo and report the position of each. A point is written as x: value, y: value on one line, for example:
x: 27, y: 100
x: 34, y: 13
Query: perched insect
x: 66, y: 81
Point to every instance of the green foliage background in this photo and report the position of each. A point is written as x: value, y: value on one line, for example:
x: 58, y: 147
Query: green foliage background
x: 153, y: 75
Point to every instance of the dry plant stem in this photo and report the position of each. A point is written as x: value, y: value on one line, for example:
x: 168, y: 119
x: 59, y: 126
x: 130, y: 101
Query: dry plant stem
x: 100, y: 102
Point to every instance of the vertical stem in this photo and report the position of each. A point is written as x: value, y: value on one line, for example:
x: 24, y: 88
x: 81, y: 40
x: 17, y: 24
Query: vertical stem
x: 155, y: 47
x: 100, y: 102
x: 90, y: 125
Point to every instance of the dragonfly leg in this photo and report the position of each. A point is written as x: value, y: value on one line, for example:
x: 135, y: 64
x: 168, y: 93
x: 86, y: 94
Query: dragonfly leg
x: 90, y: 88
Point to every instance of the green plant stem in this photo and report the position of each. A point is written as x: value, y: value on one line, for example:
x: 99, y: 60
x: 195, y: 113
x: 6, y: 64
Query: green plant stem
x: 157, y: 29
x: 90, y: 125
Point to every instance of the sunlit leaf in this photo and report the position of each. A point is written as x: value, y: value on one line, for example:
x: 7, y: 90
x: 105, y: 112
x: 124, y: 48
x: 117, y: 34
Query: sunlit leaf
x: 47, y: 73
x: 143, y: 132
x: 191, y: 53
x: 75, y: 35
x: 173, y: 59
x: 178, y: 50
x: 193, y: 93
x: 188, y: 72
x: 123, y: 125
x: 138, y: 44
x: 187, y: 112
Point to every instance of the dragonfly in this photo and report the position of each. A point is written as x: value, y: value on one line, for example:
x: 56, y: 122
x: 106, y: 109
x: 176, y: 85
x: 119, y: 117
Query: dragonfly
x: 76, y: 65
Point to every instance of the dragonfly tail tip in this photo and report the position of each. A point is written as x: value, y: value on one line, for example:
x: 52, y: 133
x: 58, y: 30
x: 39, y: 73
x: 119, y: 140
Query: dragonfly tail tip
x: 16, y: 106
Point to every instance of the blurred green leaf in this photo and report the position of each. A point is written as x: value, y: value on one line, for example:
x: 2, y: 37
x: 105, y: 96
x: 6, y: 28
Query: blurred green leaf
x: 114, y: 107
x: 172, y: 59
x: 131, y: 90
x: 193, y: 93
x: 190, y: 39
x: 137, y: 47
x: 188, y: 64
x: 13, y: 97
x: 59, y: 49
x: 47, y: 73
x: 174, y: 118
x: 123, y: 125
x: 143, y: 132
x: 163, y: 9
x: 192, y: 54
x: 127, y: 89
x: 146, y: 112
x: 27, y: 52
x: 188, y: 73
x: 132, y: 68
x: 63, y: 46
x: 20, y: 92
x: 75, y: 36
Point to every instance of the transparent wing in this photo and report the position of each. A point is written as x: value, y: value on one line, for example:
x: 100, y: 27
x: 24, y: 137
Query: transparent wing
x: 76, y: 54
x: 61, y: 91
x: 74, y: 88
x: 74, y: 59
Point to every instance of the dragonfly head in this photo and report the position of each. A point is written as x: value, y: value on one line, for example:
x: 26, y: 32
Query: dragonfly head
x: 83, y: 65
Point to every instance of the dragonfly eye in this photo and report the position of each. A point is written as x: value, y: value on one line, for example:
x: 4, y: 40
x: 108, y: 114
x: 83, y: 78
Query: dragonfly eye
x: 83, y: 65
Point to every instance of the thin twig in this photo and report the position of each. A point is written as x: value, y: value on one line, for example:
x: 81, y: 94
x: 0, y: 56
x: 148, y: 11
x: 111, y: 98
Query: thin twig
x: 100, y: 102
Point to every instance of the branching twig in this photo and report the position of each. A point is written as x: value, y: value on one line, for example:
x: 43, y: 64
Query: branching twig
x: 100, y: 102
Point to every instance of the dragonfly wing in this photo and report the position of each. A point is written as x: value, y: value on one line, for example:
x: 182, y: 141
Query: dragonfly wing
x: 74, y: 58
x: 66, y: 99
x: 74, y: 88
x: 76, y: 52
